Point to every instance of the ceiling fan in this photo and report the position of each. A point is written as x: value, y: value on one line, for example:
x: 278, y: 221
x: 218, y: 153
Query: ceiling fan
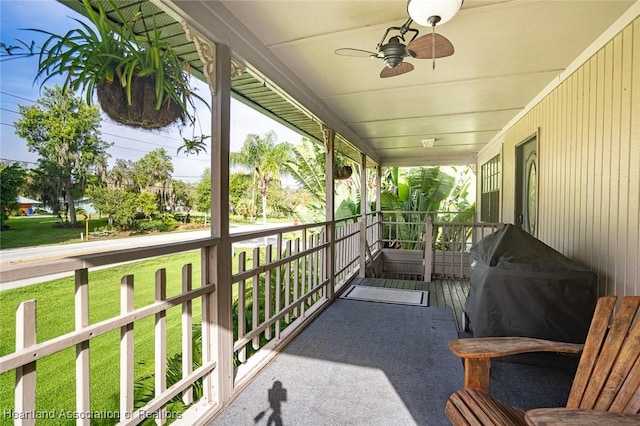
x: 397, y: 47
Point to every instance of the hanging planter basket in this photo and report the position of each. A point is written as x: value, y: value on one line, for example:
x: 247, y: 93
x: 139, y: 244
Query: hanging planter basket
x: 142, y: 112
x: 343, y: 172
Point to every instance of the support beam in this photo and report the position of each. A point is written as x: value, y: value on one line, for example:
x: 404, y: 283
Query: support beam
x: 363, y: 215
x: 379, y: 206
x: 217, y: 314
x: 329, y: 141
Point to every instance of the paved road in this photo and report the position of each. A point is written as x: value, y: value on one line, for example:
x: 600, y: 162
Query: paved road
x: 30, y: 254
x: 34, y: 254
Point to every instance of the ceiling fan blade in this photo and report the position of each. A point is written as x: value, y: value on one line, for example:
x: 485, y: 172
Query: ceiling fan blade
x: 402, y: 68
x: 355, y: 52
x: 423, y: 48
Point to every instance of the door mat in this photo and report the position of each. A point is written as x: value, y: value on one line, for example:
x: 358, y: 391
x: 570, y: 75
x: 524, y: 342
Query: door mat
x: 387, y: 295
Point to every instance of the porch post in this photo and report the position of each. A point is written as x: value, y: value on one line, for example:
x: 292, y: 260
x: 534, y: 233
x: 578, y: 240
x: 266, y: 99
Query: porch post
x: 363, y: 215
x: 329, y: 139
x: 379, y: 206
x: 216, y: 315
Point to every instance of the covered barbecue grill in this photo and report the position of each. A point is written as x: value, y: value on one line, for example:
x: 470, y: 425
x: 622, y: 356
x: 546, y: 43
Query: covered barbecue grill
x: 521, y: 287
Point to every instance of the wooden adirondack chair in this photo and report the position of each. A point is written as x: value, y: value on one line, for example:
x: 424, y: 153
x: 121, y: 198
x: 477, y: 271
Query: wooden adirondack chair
x: 605, y: 390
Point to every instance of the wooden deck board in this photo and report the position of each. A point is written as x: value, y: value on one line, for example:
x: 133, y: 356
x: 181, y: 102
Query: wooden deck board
x: 448, y: 293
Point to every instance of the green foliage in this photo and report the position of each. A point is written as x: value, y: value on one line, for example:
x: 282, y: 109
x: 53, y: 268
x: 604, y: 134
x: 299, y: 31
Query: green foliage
x: 203, y: 192
x: 147, y: 203
x: 11, y: 179
x: 43, y: 230
x: 144, y: 387
x: 418, y: 190
x: 63, y: 130
x: 307, y: 167
x: 114, y: 53
x: 282, y: 202
x: 165, y: 223
x: 240, y: 185
x: 122, y: 175
x: 262, y: 156
x: 183, y: 196
x: 107, y: 201
x: 195, y: 145
x: 125, y: 215
x: 153, y: 170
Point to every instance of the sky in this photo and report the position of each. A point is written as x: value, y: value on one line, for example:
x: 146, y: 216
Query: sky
x: 17, y: 87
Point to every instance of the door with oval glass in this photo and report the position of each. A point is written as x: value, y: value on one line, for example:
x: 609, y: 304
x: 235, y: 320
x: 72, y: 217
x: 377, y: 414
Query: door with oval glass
x: 526, y: 213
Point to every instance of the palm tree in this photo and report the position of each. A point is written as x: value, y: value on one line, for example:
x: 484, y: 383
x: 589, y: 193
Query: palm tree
x: 307, y: 167
x: 262, y: 156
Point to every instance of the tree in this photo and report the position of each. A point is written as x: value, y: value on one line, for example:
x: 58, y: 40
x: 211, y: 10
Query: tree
x: 183, y: 195
x: 307, y: 167
x: 262, y: 156
x: 121, y: 175
x: 240, y: 185
x: 64, y: 131
x: 125, y: 215
x: 107, y: 200
x: 203, y: 192
x: 153, y: 173
x: 11, y: 180
x: 147, y: 203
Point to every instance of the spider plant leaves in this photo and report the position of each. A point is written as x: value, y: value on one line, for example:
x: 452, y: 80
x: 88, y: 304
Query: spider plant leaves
x: 104, y: 52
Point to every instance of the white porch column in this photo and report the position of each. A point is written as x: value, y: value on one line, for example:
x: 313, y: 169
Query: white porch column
x: 330, y: 214
x: 217, y: 314
x: 363, y: 215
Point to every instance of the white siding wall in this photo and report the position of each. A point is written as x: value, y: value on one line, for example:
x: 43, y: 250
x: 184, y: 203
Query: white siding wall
x: 589, y: 164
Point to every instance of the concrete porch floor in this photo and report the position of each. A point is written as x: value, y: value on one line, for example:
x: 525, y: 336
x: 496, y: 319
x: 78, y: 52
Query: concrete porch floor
x: 380, y: 364
x: 357, y: 363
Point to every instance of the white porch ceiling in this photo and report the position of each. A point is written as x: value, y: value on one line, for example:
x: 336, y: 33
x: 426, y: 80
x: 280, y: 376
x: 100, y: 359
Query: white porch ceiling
x: 506, y: 52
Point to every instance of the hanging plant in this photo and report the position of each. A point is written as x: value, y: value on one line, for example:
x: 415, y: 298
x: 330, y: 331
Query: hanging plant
x: 195, y: 145
x: 341, y: 170
x: 139, y: 79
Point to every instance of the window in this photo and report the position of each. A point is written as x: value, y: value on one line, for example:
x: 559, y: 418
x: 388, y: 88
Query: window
x: 490, y: 190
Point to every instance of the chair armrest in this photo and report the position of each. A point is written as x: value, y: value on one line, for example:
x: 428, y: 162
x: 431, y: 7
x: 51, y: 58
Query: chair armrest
x: 571, y: 416
x: 492, y: 347
x: 477, y: 354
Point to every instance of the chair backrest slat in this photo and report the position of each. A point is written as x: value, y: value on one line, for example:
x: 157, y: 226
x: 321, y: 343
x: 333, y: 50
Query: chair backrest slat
x: 628, y: 399
x: 593, y: 344
x: 608, y: 364
x: 616, y: 386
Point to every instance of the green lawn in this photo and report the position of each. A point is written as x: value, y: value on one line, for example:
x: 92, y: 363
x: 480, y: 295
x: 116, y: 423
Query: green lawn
x: 39, y: 230
x: 55, y: 299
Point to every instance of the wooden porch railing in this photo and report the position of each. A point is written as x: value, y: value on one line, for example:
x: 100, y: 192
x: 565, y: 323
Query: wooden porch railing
x: 280, y: 283
x: 283, y: 270
x: 450, y: 245
x: 444, y: 243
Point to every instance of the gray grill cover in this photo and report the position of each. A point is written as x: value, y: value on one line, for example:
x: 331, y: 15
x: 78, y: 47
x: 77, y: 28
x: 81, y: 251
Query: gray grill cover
x: 522, y: 287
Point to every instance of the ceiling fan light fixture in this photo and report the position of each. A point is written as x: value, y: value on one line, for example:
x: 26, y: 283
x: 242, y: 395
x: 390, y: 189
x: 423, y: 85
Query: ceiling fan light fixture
x: 430, y: 13
x: 393, y: 52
